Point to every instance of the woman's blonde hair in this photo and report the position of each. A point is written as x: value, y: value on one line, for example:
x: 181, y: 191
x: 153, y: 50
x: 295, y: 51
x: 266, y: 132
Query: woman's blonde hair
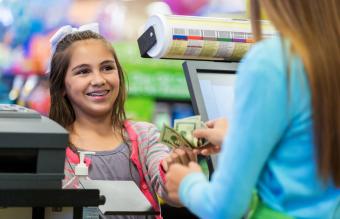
x: 313, y: 27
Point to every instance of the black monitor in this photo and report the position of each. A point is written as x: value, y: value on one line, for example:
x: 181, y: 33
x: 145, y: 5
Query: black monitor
x: 211, y: 87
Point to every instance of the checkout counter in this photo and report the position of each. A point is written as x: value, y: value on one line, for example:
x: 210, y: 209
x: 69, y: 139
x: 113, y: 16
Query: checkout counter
x: 32, y: 156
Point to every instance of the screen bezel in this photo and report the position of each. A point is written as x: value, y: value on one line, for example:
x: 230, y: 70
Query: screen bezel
x: 191, y: 71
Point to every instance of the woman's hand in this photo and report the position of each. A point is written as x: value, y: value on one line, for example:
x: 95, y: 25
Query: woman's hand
x: 214, y: 133
x: 176, y: 174
x: 181, y: 156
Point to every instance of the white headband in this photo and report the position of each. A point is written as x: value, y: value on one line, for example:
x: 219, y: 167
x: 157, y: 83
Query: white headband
x: 66, y: 30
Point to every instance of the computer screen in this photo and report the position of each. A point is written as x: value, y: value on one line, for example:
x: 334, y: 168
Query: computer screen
x: 211, y: 87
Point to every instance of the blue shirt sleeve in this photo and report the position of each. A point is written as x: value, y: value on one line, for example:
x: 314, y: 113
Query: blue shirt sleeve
x: 259, y: 121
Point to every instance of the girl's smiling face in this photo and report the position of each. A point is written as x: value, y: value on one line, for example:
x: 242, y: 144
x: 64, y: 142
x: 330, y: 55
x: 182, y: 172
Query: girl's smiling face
x: 92, y: 79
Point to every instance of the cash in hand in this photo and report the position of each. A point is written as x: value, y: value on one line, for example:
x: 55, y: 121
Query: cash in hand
x: 181, y: 134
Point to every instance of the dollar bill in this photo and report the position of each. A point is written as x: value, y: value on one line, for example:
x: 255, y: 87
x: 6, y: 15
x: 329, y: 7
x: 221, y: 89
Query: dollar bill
x: 181, y: 135
x: 186, y: 126
x: 172, y: 138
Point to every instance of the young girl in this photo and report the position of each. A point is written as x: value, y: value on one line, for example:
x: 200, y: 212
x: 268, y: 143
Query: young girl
x: 87, y: 87
x: 284, y: 138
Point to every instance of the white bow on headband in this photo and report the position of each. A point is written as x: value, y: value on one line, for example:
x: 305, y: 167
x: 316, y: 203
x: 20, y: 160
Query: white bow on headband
x: 68, y: 29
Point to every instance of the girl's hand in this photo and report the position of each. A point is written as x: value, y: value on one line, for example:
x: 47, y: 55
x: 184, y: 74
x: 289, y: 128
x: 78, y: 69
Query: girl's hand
x: 180, y: 156
x: 175, y: 176
x: 214, y: 133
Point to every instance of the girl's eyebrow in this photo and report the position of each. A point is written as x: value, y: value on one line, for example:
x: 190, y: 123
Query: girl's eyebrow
x: 80, y: 66
x: 87, y: 65
x: 107, y: 62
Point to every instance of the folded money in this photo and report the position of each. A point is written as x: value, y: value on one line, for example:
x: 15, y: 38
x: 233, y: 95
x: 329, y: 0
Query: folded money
x: 181, y: 134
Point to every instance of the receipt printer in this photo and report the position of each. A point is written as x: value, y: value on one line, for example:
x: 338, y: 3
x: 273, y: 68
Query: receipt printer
x: 32, y: 149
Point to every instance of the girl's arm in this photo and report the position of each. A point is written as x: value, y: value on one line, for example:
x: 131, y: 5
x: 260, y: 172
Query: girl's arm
x: 154, y: 154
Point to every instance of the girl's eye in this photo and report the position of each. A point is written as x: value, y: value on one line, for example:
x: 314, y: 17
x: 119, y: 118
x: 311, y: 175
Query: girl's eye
x: 83, y: 71
x: 108, y: 68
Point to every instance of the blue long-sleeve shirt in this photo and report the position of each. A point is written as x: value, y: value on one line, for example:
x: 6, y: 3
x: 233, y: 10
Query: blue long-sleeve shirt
x: 269, y: 145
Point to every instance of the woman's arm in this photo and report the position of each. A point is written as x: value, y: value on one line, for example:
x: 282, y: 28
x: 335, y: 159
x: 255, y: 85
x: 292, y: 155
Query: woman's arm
x: 260, y: 119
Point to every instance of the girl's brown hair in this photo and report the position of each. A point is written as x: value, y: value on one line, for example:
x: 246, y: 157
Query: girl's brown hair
x: 61, y: 109
x: 313, y: 27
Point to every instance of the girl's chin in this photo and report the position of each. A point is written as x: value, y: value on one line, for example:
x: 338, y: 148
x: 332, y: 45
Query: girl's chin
x: 101, y: 110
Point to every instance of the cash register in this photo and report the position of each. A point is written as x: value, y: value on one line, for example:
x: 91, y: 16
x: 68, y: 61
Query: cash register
x: 32, y: 157
x: 32, y: 149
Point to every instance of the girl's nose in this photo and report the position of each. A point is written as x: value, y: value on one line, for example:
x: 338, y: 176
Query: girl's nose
x: 98, y: 79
